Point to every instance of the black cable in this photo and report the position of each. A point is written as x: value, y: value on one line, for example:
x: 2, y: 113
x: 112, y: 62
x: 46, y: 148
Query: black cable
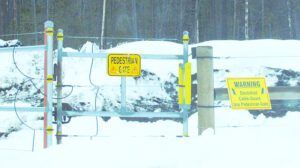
x: 22, y: 122
x: 57, y: 98
x: 68, y: 95
x: 97, y: 122
x: 90, y: 74
x: 95, y: 102
x: 17, y: 67
x: 16, y: 112
x: 39, y: 90
x: 96, y: 96
x: 31, y: 79
x: 91, y: 68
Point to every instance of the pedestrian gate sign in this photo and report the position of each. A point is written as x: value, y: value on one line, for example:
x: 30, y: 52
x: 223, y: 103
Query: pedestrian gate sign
x: 124, y: 65
x: 248, y: 93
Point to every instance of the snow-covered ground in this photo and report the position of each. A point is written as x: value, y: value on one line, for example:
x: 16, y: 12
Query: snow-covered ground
x: 249, y: 143
x: 240, y: 139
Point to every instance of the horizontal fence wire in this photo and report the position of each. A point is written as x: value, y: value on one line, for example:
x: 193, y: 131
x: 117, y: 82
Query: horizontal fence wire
x: 106, y: 86
x: 21, y: 34
x: 246, y: 57
x: 119, y: 38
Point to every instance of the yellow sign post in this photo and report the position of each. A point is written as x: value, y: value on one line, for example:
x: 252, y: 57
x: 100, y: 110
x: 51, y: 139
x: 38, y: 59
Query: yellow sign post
x: 248, y: 93
x: 124, y: 65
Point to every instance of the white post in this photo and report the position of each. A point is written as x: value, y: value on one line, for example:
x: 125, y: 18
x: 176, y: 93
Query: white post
x: 60, y: 38
x: 48, y: 84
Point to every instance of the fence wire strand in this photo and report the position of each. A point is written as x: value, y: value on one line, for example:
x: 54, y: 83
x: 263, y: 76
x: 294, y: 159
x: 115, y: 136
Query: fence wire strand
x: 21, y: 34
x: 120, y: 38
x: 247, y: 57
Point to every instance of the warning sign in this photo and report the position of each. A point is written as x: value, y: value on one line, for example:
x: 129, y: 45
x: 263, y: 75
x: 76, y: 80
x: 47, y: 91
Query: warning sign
x: 124, y: 65
x: 248, y: 93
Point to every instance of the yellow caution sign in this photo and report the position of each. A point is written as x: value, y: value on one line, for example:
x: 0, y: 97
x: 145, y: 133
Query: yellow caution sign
x: 248, y: 93
x: 188, y: 82
x: 180, y: 84
x: 124, y: 65
x: 184, y: 83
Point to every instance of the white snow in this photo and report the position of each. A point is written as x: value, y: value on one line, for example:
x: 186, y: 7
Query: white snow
x: 239, y: 139
x: 10, y: 43
x: 264, y: 143
x: 2, y: 43
x: 149, y: 47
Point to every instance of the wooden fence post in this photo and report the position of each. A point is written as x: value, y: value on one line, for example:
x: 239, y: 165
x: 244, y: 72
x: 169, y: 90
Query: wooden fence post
x: 205, y: 88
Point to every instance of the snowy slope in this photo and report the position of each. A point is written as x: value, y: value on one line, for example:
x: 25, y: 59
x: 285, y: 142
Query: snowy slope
x: 240, y: 141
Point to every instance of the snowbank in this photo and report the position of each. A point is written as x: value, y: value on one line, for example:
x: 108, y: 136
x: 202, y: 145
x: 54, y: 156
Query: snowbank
x: 10, y: 43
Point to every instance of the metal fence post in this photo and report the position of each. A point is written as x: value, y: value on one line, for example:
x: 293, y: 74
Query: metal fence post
x: 185, y: 106
x: 123, y: 95
x: 60, y: 38
x: 205, y: 88
x: 48, y: 84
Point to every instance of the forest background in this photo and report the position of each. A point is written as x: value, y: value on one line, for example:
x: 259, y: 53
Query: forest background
x: 117, y: 21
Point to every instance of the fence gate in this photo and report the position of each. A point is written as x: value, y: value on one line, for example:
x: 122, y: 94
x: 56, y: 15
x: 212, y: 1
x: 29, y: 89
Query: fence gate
x: 184, y: 84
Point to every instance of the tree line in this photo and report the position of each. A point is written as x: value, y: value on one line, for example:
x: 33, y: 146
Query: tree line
x: 124, y: 20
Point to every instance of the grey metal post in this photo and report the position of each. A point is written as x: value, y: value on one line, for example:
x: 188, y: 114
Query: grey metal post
x: 49, y: 84
x: 185, y: 107
x: 205, y: 88
x: 123, y: 95
x: 185, y: 117
x: 60, y: 38
x: 185, y: 39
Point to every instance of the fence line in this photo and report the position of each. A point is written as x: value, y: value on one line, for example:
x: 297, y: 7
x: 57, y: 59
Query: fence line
x: 276, y: 93
x: 21, y: 34
x: 119, y: 38
x: 247, y: 57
